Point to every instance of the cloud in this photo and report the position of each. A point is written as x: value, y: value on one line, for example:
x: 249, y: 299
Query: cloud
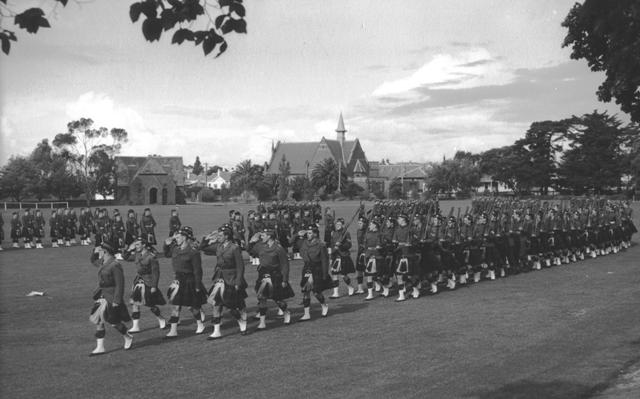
x: 469, y: 68
x: 105, y: 112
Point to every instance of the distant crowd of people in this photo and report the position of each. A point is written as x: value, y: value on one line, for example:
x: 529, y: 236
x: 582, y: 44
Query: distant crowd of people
x: 403, y: 249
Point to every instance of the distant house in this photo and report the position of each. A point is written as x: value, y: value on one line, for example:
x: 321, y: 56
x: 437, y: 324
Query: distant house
x: 489, y: 185
x: 221, y: 179
x: 304, y: 156
x: 149, y: 180
x: 411, y: 175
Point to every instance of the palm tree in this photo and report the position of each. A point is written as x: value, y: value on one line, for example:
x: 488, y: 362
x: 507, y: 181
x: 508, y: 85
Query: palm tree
x: 325, y: 175
x: 246, y: 177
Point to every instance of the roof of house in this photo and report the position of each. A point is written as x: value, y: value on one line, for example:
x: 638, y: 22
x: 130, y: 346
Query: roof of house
x: 128, y: 168
x: 408, y: 170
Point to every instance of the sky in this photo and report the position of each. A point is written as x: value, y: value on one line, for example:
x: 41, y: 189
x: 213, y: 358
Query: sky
x: 415, y: 80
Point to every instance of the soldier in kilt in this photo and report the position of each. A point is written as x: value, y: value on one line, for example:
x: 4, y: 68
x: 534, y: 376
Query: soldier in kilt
x: 16, y: 230
x: 38, y: 228
x: 273, y: 274
x: 28, y: 228
x: 147, y: 227
x: 187, y: 288
x: 145, y: 290
x: 373, y: 255
x: 386, y: 267
x: 83, y: 224
x: 229, y: 286
x: 406, y: 257
x: 174, y: 223
x: 341, y: 262
x: 315, y: 272
x: 109, y: 305
x: 132, y: 228
x: 361, y: 259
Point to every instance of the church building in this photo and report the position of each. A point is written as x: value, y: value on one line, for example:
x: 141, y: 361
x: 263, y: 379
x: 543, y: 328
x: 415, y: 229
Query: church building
x: 304, y: 156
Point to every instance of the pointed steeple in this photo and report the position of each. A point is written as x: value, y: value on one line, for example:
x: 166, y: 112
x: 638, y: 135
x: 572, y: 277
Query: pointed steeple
x: 340, y: 130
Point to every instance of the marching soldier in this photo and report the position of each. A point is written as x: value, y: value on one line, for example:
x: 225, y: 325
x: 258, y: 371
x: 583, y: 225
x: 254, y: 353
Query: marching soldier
x: 341, y: 262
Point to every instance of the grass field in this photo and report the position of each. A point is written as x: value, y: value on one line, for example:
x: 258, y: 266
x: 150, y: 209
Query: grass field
x: 563, y: 332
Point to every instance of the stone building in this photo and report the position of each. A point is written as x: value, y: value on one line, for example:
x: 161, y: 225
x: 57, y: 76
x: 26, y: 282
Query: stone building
x: 149, y: 180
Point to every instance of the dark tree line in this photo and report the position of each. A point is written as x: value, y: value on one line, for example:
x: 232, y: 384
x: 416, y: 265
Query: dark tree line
x: 590, y: 154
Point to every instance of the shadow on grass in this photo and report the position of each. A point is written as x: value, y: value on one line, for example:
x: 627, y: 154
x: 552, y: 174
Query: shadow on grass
x: 526, y: 389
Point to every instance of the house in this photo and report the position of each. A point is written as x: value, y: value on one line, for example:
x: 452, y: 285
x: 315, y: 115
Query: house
x: 411, y: 175
x: 489, y: 186
x: 304, y: 156
x: 216, y: 181
x: 149, y: 180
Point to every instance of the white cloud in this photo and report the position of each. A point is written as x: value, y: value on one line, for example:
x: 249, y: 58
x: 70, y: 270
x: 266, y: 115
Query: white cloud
x: 471, y: 68
x: 105, y: 112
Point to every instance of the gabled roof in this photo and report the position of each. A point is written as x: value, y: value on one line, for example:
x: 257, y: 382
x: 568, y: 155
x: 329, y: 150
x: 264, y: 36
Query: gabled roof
x: 359, y: 168
x: 127, y: 168
x: 297, y: 154
x: 408, y: 170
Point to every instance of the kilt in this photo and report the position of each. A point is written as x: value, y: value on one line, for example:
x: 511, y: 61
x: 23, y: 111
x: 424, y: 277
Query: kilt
x: 275, y: 290
x: 407, y: 264
x: 319, y: 282
x: 228, y: 297
x: 112, y: 314
x: 144, y: 296
x: 346, y: 265
x: 182, y: 292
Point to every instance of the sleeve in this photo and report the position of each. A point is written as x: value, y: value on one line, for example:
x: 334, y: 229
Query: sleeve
x: 129, y: 256
x: 208, y: 248
x: 237, y: 256
x: 254, y: 249
x: 345, y: 245
x: 118, y: 277
x: 284, y: 264
x: 167, y: 249
x: 155, y: 272
x: 196, y: 263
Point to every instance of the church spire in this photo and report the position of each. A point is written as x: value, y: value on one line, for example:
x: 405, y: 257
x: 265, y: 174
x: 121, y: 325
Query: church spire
x: 340, y: 130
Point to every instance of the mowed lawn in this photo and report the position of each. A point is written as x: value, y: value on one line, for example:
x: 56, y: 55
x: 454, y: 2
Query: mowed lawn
x: 563, y: 332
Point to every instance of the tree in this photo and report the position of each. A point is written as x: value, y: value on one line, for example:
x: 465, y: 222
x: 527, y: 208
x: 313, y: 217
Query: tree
x: 42, y: 160
x: 301, y: 188
x: 458, y: 175
x: 607, y: 34
x: 85, y: 150
x: 183, y: 17
x: 215, y: 169
x: 539, y: 150
x: 61, y: 182
x: 246, y: 177
x: 595, y: 158
x: 395, y: 189
x: 284, y: 169
x: 325, y: 176
x: 352, y: 189
x: 197, y: 167
x: 17, y: 176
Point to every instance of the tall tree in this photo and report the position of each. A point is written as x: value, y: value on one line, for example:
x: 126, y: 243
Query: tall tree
x: 197, y: 167
x: 325, y: 176
x: 595, y: 158
x: 85, y: 147
x: 202, y: 22
x: 41, y: 158
x: 607, y: 34
x: 540, y: 149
